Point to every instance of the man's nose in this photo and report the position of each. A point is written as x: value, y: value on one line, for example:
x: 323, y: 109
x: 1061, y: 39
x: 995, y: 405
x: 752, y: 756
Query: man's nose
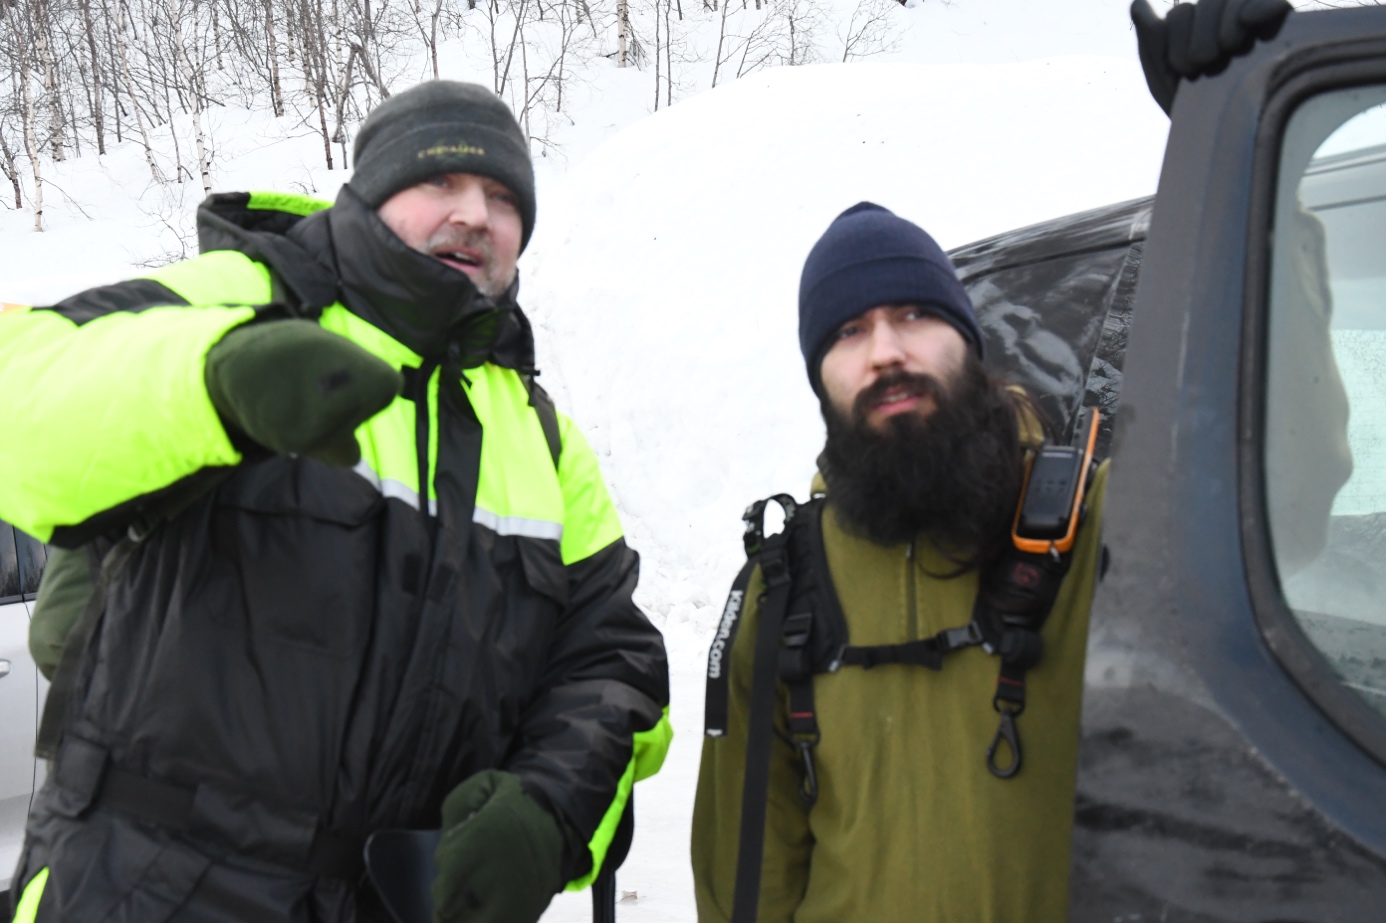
x: 885, y: 345
x: 469, y: 206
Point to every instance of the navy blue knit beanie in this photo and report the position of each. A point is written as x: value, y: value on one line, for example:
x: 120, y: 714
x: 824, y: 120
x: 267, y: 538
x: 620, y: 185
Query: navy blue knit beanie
x: 870, y: 257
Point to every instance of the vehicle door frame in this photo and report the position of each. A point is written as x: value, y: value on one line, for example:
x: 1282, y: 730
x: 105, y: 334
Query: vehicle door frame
x: 1193, y: 585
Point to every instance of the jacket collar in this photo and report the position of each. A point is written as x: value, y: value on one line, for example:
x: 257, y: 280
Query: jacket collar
x: 424, y: 304
x: 320, y: 254
x: 432, y: 309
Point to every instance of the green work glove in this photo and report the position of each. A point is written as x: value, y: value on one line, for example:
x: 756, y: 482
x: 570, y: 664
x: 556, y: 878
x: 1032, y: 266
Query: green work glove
x: 500, y: 858
x: 1199, y: 39
x: 295, y: 388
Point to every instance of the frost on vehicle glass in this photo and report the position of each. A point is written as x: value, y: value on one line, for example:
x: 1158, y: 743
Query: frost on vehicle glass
x: 1325, y: 461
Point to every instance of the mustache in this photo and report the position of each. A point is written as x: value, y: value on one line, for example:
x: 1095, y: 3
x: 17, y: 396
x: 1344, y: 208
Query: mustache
x: 460, y: 239
x: 914, y: 384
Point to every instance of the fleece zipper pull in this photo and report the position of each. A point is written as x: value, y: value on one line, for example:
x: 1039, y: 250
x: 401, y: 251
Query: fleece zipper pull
x: 913, y: 613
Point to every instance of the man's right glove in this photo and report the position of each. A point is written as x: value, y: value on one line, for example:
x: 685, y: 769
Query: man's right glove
x: 293, y: 387
x: 1199, y: 39
x: 500, y: 858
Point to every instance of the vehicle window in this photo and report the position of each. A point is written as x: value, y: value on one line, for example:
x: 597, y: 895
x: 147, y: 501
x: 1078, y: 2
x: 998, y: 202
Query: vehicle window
x: 1325, y: 436
x: 33, y: 555
x: 9, y: 565
x: 1043, y: 322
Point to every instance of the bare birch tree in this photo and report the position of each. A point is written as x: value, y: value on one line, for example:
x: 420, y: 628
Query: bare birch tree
x: 272, y: 48
x: 869, y: 31
x: 97, y: 83
x: 190, y: 80
x: 315, y: 69
x: 123, y: 10
x: 428, y: 31
x: 7, y: 164
x: 41, y: 33
x: 622, y: 30
x: 20, y: 30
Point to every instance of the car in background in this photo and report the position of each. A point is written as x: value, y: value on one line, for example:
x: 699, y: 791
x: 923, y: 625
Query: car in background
x: 21, y: 566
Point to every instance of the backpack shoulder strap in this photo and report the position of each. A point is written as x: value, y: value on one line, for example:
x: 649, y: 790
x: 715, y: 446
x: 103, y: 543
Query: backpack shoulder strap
x: 811, y: 591
x: 719, y: 654
x: 774, y: 567
x: 811, y: 639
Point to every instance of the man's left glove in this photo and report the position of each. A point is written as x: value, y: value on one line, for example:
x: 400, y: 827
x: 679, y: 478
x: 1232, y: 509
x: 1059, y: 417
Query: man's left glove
x: 291, y: 386
x: 500, y: 858
x: 1199, y: 39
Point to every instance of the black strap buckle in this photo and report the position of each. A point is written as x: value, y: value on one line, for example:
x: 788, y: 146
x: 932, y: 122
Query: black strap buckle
x: 774, y: 569
x: 796, y: 630
x: 1007, y: 734
x: 952, y: 639
x: 808, y: 783
x: 1021, y: 649
x: 794, y: 650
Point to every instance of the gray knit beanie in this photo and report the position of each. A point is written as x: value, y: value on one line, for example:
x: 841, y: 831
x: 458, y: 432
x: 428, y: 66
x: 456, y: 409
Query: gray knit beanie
x: 443, y: 126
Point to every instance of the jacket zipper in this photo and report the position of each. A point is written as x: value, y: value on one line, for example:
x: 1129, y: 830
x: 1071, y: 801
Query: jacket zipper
x: 910, y: 591
x: 423, y: 414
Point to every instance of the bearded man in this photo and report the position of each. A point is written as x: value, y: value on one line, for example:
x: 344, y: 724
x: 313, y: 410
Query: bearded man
x: 339, y: 564
x: 896, y: 805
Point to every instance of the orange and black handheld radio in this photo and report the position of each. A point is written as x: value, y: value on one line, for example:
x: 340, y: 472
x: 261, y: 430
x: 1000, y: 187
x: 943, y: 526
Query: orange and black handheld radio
x: 1056, y: 479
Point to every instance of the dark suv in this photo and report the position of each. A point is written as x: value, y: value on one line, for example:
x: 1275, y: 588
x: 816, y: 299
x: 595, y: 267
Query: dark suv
x: 1054, y: 301
x: 1233, y: 756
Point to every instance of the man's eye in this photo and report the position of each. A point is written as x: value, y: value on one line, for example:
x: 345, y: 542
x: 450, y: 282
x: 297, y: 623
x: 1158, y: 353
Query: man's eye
x: 846, y: 333
x: 439, y: 182
x: 505, y: 198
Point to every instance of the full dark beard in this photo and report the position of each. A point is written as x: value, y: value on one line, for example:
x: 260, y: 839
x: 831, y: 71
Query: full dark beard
x: 954, y: 475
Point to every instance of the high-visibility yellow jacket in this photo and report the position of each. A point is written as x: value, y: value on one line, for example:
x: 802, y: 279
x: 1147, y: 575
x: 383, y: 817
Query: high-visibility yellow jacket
x: 312, y: 653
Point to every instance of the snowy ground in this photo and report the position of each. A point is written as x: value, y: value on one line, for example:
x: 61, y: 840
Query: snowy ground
x: 663, y: 275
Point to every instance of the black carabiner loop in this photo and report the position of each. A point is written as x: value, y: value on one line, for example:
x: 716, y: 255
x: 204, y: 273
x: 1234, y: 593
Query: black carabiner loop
x: 808, y: 787
x: 1006, y: 733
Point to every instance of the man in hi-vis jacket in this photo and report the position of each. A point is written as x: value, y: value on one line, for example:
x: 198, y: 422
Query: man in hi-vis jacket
x: 347, y: 569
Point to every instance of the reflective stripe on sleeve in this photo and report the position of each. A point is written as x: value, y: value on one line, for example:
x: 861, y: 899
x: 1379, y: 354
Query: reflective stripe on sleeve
x: 649, y: 751
x: 389, y: 487
x: 518, y: 525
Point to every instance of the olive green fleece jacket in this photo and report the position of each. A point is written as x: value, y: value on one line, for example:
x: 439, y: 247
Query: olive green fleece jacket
x: 909, y: 826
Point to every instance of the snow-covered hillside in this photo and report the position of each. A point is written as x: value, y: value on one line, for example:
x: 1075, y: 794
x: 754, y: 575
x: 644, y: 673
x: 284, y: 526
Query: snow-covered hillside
x: 664, y: 272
